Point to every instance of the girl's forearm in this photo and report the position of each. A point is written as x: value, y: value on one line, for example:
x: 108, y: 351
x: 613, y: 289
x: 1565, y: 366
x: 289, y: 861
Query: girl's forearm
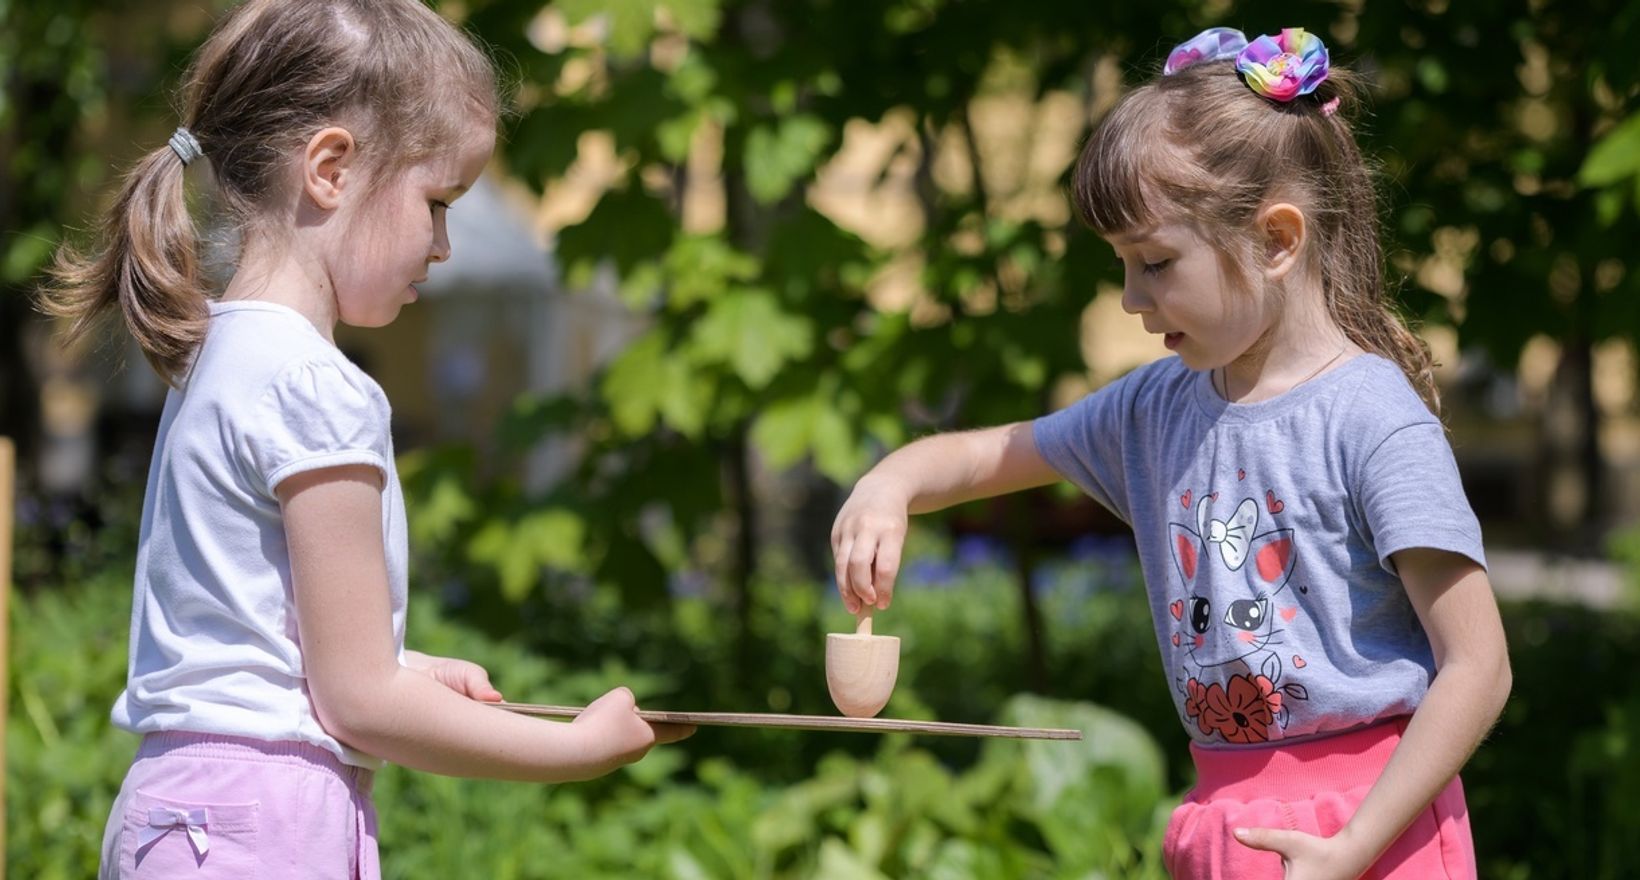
x: 405, y: 717
x: 941, y: 470
x: 1461, y: 705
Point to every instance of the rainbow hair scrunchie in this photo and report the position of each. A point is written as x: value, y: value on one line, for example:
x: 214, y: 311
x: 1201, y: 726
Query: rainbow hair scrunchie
x: 1279, y: 67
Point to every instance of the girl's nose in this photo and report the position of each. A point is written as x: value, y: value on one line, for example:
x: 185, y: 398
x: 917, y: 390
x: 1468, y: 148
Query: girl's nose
x: 1135, y: 301
x: 441, y: 244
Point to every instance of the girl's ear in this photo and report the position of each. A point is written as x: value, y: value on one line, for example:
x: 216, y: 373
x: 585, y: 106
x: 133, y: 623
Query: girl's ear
x: 1285, y: 229
x: 327, y: 166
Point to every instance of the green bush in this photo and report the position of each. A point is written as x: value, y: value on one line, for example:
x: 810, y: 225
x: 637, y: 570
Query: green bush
x: 64, y: 759
x: 1549, y: 791
x: 866, y: 806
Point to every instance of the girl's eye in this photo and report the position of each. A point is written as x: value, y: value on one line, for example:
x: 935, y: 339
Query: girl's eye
x: 1157, y: 267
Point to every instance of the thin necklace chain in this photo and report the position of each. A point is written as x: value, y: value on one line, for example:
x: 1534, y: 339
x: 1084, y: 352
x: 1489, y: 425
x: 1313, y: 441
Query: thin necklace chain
x: 1224, y: 374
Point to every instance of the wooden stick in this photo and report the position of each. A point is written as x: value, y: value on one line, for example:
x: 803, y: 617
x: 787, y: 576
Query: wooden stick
x: 863, y: 626
x: 813, y: 722
x: 8, y: 491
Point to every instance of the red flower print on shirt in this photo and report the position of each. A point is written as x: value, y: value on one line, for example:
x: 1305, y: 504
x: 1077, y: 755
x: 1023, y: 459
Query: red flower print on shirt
x: 1243, y: 711
x: 1195, y: 703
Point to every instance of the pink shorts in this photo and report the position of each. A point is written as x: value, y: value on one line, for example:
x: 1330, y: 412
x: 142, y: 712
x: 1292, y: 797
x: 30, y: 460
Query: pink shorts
x: 204, y: 806
x: 1314, y: 787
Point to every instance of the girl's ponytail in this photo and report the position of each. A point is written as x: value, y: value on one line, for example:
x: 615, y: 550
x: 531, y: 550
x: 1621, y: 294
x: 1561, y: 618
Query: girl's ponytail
x: 1350, y: 247
x: 146, y: 263
x: 1379, y: 330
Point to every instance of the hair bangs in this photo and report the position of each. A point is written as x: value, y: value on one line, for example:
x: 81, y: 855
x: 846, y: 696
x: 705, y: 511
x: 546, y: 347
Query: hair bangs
x: 1119, y: 181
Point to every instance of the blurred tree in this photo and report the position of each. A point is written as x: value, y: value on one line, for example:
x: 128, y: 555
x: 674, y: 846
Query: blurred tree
x: 765, y: 337
x: 1486, y: 113
x: 779, y: 336
x: 77, y: 78
x: 769, y: 334
x: 52, y: 81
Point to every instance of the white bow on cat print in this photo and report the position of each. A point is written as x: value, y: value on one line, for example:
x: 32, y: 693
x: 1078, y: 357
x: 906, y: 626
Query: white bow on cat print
x: 1233, y: 536
x: 162, y: 819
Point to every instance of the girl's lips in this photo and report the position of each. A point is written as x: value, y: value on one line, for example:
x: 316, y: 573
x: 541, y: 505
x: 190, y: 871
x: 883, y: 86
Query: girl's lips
x: 1172, y: 340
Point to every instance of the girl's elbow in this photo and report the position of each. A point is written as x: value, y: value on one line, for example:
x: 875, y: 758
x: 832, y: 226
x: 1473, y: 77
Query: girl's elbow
x: 349, y: 713
x: 1505, y: 682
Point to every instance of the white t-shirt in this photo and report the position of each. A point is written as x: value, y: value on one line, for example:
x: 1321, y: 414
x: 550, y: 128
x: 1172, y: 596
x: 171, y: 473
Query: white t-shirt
x: 214, y: 642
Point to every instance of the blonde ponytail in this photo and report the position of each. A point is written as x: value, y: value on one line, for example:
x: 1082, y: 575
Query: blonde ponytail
x: 146, y: 265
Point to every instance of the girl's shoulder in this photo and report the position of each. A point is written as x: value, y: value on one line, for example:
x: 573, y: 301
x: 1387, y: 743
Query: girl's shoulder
x: 1384, y: 405
x: 1383, y: 398
x: 253, y: 349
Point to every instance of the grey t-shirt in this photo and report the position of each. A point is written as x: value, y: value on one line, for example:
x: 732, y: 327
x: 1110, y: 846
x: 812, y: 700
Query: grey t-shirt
x: 1265, y: 532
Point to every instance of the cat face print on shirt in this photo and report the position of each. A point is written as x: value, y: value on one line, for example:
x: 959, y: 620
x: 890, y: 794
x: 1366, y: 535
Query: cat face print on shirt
x: 1229, y: 617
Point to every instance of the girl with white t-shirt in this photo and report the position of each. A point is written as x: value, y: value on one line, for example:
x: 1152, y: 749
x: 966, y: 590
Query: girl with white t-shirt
x: 268, y: 674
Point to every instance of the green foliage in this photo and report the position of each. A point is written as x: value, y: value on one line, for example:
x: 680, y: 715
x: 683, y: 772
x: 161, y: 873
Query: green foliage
x: 52, y: 83
x: 1615, y: 157
x: 763, y: 342
x: 64, y: 760
x: 884, y: 806
x: 1549, y: 791
x: 1498, y: 125
x: 780, y: 155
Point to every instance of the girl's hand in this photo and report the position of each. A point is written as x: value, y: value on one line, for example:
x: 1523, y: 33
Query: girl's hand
x: 615, y: 735
x: 866, y: 542
x: 1308, y: 857
x: 462, y: 676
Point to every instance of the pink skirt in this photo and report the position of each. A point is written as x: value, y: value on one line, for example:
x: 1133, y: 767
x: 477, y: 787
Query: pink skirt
x: 207, y: 807
x: 1314, y: 787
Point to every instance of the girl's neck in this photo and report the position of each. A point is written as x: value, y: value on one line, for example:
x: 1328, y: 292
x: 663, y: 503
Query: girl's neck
x: 1302, y: 342
x: 279, y: 276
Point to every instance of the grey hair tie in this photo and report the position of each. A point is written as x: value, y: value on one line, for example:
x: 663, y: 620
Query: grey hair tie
x: 185, y: 146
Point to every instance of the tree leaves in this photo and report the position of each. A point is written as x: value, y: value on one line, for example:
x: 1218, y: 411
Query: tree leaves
x: 779, y: 155
x: 749, y: 331
x: 629, y: 24
x: 647, y: 383
x: 518, y: 550
x: 789, y: 429
x: 1615, y: 156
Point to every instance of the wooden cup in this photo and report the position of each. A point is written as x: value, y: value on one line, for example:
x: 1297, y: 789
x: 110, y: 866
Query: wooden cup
x: 861, y: 669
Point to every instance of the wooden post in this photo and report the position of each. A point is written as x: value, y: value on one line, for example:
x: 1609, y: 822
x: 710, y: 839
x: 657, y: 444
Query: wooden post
x: 8, y: 490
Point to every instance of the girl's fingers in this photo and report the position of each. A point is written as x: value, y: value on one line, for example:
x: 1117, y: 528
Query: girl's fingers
x: 481, y: 689
x: 840, y: 560
x: 884, y: 571
x: 616, y: 699
x: 671, y: 733
x: 859, y: 569
x: 1269, y: 839
x: 471, y: 680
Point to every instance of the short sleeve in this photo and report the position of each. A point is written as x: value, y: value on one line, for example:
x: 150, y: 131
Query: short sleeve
x: 317, y: 414
x: 1084, y: 442
x: 1410, y: 495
